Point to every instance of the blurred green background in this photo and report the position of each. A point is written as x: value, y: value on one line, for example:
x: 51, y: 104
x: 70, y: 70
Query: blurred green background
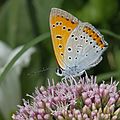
x: 23, y: 20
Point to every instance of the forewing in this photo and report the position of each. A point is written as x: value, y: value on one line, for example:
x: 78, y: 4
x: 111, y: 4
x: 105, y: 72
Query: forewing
x: 61, y: 25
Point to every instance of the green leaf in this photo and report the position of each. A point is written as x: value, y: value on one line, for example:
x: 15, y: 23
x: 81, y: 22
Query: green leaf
x: 26, y: 46
x: 97, y: 11
x: 15, y: 24
x: 79, y: 103
x: 3, y: 21
x: 13, y: 15
x: 110, y: 33
x: 117, y: 57
x: 1, y: 117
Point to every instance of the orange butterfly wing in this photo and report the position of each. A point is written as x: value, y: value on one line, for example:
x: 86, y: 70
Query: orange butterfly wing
x: 62, y: 24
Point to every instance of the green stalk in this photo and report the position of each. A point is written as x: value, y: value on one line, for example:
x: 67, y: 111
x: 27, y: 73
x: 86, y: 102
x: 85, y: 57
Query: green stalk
x: 23, y: 50
x: 104, y: 31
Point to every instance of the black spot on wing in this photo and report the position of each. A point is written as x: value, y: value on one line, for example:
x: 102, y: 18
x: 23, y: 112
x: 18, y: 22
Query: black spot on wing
x: 59, y: 36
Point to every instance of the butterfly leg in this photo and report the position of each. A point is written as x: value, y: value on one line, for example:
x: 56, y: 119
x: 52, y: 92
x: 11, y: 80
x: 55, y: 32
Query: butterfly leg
x: 64, y: 78
x: 80, y: 73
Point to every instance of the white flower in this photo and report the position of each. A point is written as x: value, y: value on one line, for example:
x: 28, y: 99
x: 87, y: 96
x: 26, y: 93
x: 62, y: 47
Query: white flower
x: 10, y: 87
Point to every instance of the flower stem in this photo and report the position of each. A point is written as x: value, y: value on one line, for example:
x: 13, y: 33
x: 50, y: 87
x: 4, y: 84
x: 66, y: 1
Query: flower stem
x: 110, y: 33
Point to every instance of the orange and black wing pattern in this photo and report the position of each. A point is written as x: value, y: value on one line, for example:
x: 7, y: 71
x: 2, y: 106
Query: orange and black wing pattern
x: 62, y: 24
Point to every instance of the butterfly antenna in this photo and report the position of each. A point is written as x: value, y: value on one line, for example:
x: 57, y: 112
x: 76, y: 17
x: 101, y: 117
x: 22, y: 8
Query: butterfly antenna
x: 41, y: 70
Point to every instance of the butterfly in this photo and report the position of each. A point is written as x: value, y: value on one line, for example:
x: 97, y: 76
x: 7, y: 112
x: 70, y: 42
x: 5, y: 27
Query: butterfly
x: 78, y: 45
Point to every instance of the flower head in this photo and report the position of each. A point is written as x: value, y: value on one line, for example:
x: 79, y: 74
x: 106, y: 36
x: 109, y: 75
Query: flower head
x: 72, y: 99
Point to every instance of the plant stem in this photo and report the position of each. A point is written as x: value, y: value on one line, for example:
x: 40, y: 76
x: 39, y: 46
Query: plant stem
x: 23, y: 50
x: 110, y: 33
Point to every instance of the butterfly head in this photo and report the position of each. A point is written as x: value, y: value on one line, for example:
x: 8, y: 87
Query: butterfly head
x: 59, y: 71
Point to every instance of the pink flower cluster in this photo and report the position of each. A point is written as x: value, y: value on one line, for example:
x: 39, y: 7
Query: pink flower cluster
x: 72, y: 99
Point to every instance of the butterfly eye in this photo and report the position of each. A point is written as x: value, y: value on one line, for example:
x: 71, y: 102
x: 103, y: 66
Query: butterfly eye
x: 59, y: 71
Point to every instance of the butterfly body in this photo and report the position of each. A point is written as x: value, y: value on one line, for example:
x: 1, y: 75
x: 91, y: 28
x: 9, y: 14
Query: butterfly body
x: 78, y: 45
